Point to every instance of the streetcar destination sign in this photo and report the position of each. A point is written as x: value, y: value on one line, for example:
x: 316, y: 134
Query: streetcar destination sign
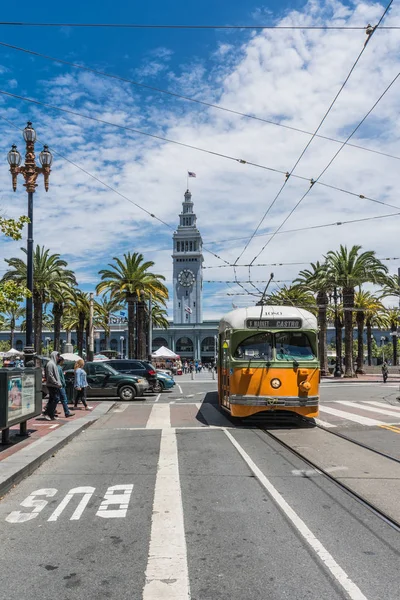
x: 274, y: 323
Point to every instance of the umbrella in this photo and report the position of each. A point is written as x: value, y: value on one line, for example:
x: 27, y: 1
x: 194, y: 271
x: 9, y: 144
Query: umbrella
x: 70, y: 356
x: 12, y: 353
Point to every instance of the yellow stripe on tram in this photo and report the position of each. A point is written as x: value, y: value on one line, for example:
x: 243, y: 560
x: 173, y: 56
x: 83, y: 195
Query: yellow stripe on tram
x: 391, y: 428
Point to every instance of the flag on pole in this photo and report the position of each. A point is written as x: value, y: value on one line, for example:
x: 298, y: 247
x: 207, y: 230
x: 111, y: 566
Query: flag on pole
x: 191, y: 174
x: 188, y: 310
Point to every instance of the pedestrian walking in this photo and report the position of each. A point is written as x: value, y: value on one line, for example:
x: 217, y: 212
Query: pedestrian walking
x: 53, y: 384
x: 80, y: 384
x: 385, y: 371
x: 63, y: 391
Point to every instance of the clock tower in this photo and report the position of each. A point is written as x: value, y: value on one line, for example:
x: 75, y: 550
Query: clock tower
x: 187, y: 267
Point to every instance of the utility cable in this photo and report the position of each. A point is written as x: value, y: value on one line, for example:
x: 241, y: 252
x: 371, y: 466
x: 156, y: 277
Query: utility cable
x: 326, y: 168
x: 192, y: 147
x: 369, y: 31
x: 283, y: 264
x: 189, y: 99
x: 173, y: 26
x: 114, y: 190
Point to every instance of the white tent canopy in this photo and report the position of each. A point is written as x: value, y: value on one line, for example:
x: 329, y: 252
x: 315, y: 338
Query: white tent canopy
x: 164, y: 352
x: 13, y: 352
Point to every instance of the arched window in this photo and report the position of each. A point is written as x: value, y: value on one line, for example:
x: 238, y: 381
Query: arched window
x: 184, y: 344
x: 18, y: 345
x: 208, y: 344
x: 103, y: 345
x: 114, y: 344
x: 158, y: 342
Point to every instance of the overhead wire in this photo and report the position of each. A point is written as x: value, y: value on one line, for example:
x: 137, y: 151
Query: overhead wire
x: 190, y: 146
x: 113, y: 189
x: 326, y: 168
x: 189, y: 99
x: 282, y: 264
x: 177, y: 26
x: 369, y: 33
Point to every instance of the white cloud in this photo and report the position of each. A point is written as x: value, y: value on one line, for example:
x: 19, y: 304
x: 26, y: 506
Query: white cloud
x: 286, y: 76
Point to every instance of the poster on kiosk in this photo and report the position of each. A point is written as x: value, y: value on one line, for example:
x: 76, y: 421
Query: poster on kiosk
x: 20, y: 395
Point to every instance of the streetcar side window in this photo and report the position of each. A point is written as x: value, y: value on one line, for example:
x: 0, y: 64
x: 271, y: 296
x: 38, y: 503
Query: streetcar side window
x: 256, y: 347
x: 293, y: 345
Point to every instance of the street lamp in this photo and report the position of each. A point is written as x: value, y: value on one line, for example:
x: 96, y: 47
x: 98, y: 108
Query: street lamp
x: 338, y: 362
x: 30, y: 172
x: 122, y: 339
x: 47, y: 345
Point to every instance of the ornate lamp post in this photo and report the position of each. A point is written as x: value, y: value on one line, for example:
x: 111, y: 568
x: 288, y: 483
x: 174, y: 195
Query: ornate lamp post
x: 30, y: 172
x: 338, y: 366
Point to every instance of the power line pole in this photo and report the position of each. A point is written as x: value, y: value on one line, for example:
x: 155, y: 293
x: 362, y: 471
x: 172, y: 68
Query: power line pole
x: 150, y: 326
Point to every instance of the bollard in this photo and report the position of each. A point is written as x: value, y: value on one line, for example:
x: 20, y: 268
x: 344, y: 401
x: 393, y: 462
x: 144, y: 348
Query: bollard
x: 5, y: 436
x: 192, y: 375
x: 213, y: 374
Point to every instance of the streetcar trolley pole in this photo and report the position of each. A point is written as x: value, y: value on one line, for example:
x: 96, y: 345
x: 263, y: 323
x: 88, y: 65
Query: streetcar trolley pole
x: 20, y: 399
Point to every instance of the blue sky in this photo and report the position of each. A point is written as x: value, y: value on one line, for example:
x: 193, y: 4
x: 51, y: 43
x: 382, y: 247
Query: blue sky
x: 287, y: 77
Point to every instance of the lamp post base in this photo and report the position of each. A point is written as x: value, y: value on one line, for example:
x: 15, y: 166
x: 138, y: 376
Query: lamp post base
x: 29, y: 356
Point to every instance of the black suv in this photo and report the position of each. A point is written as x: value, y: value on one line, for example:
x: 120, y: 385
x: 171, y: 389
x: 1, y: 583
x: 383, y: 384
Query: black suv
x: 140, y: 368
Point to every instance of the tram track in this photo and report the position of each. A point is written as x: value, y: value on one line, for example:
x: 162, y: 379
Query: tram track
x: 360, y: 444
x: 366, y: 503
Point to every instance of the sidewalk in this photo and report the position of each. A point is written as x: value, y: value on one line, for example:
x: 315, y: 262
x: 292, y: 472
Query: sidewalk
x: 370, y: 378
x: 23, y: 457
x: 38, y: 428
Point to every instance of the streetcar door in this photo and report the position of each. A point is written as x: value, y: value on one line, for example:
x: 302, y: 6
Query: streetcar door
x: 225, y: 364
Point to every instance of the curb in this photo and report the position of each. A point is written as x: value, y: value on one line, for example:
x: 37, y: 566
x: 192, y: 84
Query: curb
x: 23, y: 463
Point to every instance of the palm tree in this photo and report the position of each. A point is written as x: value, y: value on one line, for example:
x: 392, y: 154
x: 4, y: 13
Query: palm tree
x: 12, y: 315
x: 106, y: 307
x: 159, y: 316
x: 348, y: 269
x: 48, y: 271
x: 316, y: 281
x: 368, y: 307
x: 293, y: 295
x: 393, y: 319
x: 130, y: 281
x: 76, y: 315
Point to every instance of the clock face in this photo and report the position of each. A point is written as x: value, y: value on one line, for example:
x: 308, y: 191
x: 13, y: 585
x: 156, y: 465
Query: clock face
x: 186, y: 278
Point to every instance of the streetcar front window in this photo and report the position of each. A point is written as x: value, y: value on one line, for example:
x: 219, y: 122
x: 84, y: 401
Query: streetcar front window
x: 293, y: 345
x: 256, y: 347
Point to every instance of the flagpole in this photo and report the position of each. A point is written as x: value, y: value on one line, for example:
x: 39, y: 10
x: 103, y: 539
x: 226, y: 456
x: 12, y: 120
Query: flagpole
x: 187, y: 180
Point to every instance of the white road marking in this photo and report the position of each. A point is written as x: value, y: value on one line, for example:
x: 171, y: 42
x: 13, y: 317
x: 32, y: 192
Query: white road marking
x: 31, y: 502
x: 373, y: 403
x: 159, y: 417
x: 382, y: 411
x: 199, y: 393
x: 179, y: 388
x: 121, y: 408
x: 324, y: 423
x: 54, y: 426
x: 167, y: 570
x: 158, y: 397
x: 87, y: 492
x: 327, y: 559
x: 121, y: 499
x: 350, y: 416
x: 183, y: 428
x: 191, y: 395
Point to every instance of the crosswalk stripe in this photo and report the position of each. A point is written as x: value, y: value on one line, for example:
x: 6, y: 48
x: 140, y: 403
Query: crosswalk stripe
x: 381, y: 410
x: 380, y: 404
x: 159, y: 417
x: 350, y: 416
x: 324, y: 423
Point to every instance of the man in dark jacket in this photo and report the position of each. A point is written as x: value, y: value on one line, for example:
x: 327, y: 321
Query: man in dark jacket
x: 63, y: 392
x: 53, y: 384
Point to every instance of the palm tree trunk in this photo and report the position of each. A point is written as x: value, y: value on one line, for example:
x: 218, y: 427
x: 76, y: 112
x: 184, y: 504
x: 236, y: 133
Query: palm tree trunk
x: 106, y: 334
x: 340, y: 343
x: 394, y: 342
x: 37, y: 322
x: 131, y: 326
x: 348, y: 305
x: 87, y: 335
x: 12, y: 329
x: 141, y: 334
x: 322, y: 301
x: 58, y: 310
x: 369, y: 342
x: 360, y: 342
x: 80, y: 332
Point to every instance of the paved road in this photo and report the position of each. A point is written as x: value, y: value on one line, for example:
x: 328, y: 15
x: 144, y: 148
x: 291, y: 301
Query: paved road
x: 165, y: 499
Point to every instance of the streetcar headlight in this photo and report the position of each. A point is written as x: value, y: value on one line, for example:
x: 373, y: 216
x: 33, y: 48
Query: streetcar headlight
x: 276, y: 383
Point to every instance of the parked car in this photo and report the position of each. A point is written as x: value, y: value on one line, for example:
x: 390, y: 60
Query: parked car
x: 140, y: 368
x: 104, y: 381
x: 164, y: 382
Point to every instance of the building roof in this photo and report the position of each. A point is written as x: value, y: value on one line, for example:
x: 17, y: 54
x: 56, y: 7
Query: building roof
x: 236, y: 319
